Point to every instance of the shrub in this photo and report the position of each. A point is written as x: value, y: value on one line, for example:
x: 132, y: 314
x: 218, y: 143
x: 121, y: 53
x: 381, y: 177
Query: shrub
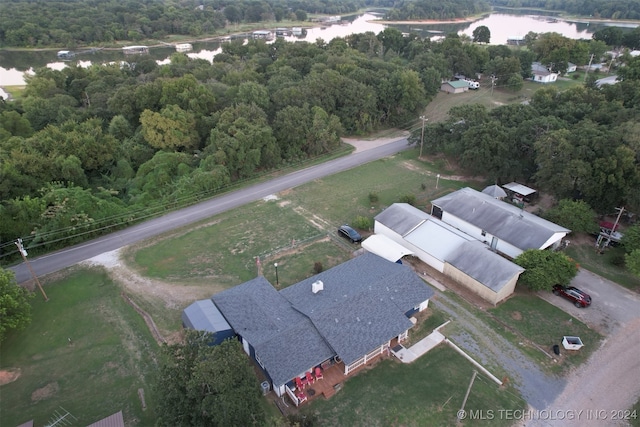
x: 317, y: 267
x: 408, y: 198
x: 373, y: 197
x: 362, y: 222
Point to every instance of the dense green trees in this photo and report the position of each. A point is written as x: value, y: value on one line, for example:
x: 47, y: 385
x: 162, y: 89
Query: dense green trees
x: 83, y: 22
x: 545, y: 268
x: 15, y: 309
x: 482, y: 34
x: 447, y: 9
x: 204, y: 385
x: 606, y: 9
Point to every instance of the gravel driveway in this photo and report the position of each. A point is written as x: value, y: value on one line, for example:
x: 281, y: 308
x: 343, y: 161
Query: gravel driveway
x: 603, y: 390
x: 600, y: 392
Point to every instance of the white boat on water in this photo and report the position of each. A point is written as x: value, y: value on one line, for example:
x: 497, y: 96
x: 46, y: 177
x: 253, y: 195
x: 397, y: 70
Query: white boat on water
x: 184, y: 47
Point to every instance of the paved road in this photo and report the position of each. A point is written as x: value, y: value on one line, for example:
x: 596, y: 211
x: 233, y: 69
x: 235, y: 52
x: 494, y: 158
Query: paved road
x: 70, y: 256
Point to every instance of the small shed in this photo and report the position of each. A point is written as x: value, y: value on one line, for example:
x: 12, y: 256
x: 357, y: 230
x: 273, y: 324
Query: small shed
x: 203, y: 315
x: 519, y: 193
x: 457, y: 86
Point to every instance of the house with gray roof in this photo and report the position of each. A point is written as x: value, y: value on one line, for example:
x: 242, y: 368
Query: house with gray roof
x: 504, y: 227
x: 450, y: 251
x: 349, y: 313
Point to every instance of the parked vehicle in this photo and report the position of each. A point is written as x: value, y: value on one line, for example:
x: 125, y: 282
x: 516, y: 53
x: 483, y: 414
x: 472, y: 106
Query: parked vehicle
x: 579, y: 298
x: 349, y: 233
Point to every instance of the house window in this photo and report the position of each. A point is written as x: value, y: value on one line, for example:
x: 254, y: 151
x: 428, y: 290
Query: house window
x: 484, y: 233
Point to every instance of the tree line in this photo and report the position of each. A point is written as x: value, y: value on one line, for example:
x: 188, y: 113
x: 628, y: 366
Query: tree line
x: 407, y: 10
x: 25, y: 23
x: 605, y: 9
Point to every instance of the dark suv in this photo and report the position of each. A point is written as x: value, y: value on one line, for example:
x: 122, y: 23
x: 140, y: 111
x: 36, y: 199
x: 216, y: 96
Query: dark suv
x: 579, y: 298
x: 350, y: 234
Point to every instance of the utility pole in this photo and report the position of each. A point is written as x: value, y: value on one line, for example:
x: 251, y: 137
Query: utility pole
x: 588, y: 67
x: 493, y: 82
x: 23, y: 252
x: 424, y: 119
x: 461, y: 412
x: 615, y: 225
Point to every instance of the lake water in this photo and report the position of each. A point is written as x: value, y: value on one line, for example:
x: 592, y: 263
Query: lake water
x: 13, y: 65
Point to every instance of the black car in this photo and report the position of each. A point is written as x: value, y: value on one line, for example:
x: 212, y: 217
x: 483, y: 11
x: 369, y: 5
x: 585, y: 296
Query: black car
x: 579, y: 298
x: 350, y: 234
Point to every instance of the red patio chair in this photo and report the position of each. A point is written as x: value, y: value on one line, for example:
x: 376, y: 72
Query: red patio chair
x: 299, y: 385
x: 301, y: 397
x: 309, y: 378
x: 304, y: 381
x: 319, y: 375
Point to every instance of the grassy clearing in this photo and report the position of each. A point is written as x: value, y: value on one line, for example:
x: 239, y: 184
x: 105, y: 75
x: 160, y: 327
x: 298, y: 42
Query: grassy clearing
x: 526, y: 315
x: 608, y: 265
x: 99, y: 372
x: 438, y: 109
x: 428, y: 320
x: 427, y: 392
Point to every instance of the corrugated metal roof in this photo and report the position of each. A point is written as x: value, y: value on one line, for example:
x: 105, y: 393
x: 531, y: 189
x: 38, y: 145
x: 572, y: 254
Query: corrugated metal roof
x: 115, y: 420
x: 203, y: 315
x: 477, y: 261
x: 503, y: 220
x: 402, y: 217
x: 519, y: 188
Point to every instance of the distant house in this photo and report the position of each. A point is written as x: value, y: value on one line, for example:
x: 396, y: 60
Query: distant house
x: 456, y: 86
x: 135, y: 50
x: 450, y: 251
x: 347, y: 315
x: 571, y: 67
x: 184, y: 47
x: 515, y: 41
x: 505, y: 227
x: 541, y: 73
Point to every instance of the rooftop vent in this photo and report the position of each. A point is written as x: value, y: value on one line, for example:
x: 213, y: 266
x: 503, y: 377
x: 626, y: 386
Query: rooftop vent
x: 317, y: 286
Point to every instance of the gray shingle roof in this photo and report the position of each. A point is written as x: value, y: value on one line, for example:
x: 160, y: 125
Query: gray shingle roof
x: 476, y: 260
x: 362, y: 306
x: 284, y: 339
x: 401, y: 218
x: 507, y: 222
x: 368, y: 296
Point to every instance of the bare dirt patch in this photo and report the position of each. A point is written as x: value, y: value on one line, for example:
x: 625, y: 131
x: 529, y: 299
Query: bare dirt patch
x: 9, y: 375
x: 45, y: 392
x: 516, y: 315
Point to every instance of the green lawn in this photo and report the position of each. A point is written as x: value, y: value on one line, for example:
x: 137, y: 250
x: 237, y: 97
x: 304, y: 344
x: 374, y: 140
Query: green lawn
x: 525, y: 315
x: 86, y: 351
x: 438, y: 109
x: 427, y: 392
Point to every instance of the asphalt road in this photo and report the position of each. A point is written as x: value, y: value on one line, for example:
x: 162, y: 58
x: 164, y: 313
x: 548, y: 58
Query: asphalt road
x: 70, y: 256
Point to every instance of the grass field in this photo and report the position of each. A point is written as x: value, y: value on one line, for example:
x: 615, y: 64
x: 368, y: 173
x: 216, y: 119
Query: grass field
x: 543, y: 325
x: 609, y: 264
x: 86, y: 350
x: 427, y: 392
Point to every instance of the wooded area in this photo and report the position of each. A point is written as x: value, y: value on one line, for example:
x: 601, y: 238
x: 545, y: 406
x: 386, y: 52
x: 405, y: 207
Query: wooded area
x: 86, y: 150
x: 607, y: 9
